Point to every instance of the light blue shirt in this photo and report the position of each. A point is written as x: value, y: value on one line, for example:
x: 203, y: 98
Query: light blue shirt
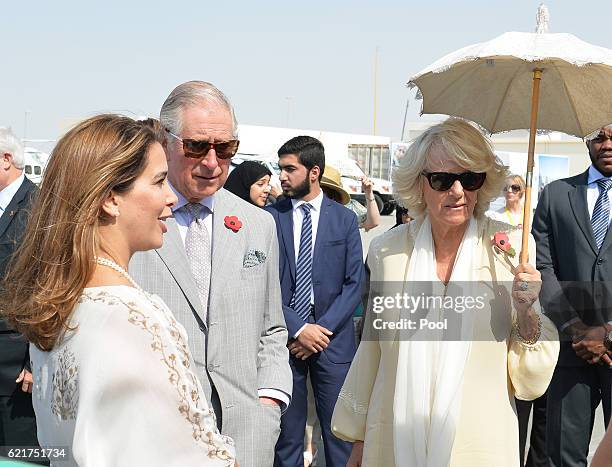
x: 298, y: 217
x: 7, y: 194
x: 593, y: 190
x: 183, y: 218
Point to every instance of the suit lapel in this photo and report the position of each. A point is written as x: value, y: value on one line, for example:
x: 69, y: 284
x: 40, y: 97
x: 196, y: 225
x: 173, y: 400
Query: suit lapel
x: 286, y: 228
x: 322, y: 230
x: 580, y: 208
x: 14, y: 205
x: 607, y: 240
x: 172, y: 253
x: 221, y: 241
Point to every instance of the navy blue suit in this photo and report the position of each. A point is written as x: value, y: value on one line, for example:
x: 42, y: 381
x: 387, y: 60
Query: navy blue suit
x: 337, y: 280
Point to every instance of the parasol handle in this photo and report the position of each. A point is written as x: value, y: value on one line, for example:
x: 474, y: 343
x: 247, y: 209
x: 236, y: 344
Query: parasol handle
x: 535, y: 98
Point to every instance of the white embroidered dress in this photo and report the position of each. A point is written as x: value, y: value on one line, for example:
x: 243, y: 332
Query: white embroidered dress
x: 119, y: 390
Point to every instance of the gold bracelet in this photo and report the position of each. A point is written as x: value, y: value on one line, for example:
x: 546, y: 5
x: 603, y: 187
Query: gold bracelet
x: 517, y: 331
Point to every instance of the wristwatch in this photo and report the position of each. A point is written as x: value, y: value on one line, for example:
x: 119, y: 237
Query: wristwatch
x: 608, y: 340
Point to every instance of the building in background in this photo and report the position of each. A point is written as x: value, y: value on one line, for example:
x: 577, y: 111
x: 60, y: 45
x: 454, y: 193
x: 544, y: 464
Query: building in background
x: 34, y: 164
x: 354, y: 155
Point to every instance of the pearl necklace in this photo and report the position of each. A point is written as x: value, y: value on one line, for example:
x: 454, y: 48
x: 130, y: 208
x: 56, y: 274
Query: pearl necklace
x: 111, y: 264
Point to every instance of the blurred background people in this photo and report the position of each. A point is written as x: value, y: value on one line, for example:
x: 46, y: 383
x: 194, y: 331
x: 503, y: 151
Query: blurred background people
x: 373, y: 214
x: 17, y: 421
x: 251, y: 182
x: 368, y: 217
x: 512, y: 212
x: 402, y: 216
x: 112, y: 370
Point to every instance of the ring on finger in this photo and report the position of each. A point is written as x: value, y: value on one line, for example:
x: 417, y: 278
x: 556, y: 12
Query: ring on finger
x: 523, y: 286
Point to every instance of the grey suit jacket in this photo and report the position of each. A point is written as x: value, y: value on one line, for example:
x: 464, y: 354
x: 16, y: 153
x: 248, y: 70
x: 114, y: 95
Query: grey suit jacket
x: 576, y: 276
x: 240, y: 345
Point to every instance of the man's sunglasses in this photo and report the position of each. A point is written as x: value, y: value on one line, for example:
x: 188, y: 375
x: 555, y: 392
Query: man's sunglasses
x: 512, y: 188
x: 195, y: 149
x: 443, y: 181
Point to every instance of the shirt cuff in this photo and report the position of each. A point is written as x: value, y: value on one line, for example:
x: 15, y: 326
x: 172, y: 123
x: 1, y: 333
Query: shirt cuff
x: 275, y: 394
x: 564, y: 326
x: 299, y: 331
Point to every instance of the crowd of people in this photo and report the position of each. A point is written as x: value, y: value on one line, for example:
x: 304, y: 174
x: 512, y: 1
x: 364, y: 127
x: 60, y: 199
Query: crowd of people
x: 159, y: 310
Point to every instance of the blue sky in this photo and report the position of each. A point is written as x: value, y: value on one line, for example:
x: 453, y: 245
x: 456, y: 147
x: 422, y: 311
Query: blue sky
x: 309, y: 64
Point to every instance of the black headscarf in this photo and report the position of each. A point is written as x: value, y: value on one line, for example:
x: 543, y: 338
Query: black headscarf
x: 399, y: 212
x: 242, y: 177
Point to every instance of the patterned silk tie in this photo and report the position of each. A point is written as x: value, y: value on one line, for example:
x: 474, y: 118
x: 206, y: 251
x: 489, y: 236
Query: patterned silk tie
x: 601, y: 212
x: 303, y: 269
x: 197, y: 247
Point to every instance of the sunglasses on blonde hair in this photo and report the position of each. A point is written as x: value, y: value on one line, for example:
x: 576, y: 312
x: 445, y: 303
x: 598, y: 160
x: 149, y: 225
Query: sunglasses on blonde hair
x: 196, y: 149
x: 512, y: 188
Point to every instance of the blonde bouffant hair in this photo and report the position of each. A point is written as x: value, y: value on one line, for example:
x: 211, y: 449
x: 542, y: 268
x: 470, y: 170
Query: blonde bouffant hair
x: 465, y: 145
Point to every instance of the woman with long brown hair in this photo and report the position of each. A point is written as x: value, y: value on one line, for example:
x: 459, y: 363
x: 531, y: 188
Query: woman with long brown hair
x: 113, y: 376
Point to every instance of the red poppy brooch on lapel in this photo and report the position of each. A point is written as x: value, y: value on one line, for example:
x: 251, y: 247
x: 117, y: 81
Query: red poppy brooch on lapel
x: 501, y: 242
x: 232, y: 223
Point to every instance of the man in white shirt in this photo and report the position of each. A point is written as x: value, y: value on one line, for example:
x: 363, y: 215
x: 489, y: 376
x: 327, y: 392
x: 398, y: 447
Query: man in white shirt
x: 574, y: 256
x: 17, y: 422
x: 321, y: 273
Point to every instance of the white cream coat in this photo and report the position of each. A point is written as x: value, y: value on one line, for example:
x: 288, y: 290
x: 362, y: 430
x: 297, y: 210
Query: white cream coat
x: 498, y: 368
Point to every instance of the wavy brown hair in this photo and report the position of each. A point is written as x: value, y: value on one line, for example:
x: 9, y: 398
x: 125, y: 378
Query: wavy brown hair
x: 56, y: 257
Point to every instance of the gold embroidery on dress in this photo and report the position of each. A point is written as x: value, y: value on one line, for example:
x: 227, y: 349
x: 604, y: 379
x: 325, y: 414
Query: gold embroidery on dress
x: 65, y: 386
x: 187, y: 390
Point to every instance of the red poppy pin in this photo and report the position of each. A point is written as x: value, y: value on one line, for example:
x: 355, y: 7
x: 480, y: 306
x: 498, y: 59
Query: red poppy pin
x: 232, y: 223
x: 501, y: 242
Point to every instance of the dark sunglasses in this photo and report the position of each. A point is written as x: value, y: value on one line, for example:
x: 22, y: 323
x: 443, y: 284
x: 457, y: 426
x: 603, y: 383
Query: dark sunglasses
x: 512, y: 188
x: 443, y: 181
x: 195, y: 149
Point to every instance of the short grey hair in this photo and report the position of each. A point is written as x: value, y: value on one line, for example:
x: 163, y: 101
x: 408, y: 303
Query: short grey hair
x: 595, y: 134
x: 464, y: 144
x: 10, y: 144
x: 192, y: 93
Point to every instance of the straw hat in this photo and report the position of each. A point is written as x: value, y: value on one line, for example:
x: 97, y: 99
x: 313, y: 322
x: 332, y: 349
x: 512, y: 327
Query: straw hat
x: 332, y: 180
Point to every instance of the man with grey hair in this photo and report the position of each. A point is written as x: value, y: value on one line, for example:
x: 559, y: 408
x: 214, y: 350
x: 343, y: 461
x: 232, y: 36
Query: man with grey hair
x: 218, y: 273
x: 17, y: 422
x: 574, y: 256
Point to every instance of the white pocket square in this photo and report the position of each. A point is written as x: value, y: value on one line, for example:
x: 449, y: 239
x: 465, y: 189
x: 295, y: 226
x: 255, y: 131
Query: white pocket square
x: 253, y: 258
